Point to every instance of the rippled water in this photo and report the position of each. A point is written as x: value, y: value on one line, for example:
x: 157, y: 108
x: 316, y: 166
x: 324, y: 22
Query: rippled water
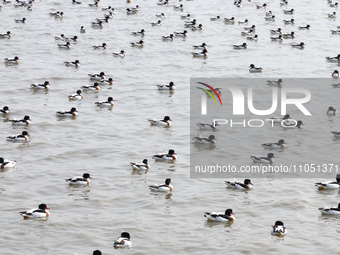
x: 103, y: 142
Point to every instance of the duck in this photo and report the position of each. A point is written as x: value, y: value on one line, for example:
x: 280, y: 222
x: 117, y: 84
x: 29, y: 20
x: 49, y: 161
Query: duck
x: 77, y: 180
x: 289, y: 36
x: 291, y: 11
x: 188, y: 16
x: 253, y: 38
x: 119, y: 54
x: 268, y: 160
x: 123, y: 241
x: 279, y: 38
x: 25, y: 121
x: 23, y: 137
x: 307, y: 27
x: 249, y: 32
x: 93, y: 87
x: 5, y: 110
x: 97, y: 24
x: 96, y: 76
x: 289, y: 22
x: 332, y: 15
x: 137, y: 44
x: 279, y: 145
x: 284, y: 2
x: 61, y: 37
x: 243, y: 22
x: 73, y: 112
x: 264, y: 6
x: 6, y: 2
x: 109, y: 102
x: 203, y: 53
x: 71, y: 39
x: 109, y: 81
x: 82, y: 30
x: 239, y: 185
x: 272, y: 18
x: 11, y: 61
x: 75, y: 63
x: 140, y: 166
x: 254, y: 69
x: 100, y: 47
x: 64, y: 46
x: 161, y: 15
x: 75, y: 2
x: 179, y: 7
x: 135, y: 8
x: 109, y: 8
x: 330, y: 211
x: 167, y: 187
x: 335, y: 74
x: 217, y: 18
x: 4, y: 163
x: 292, y: 124
x: 335, y: 32
x: 190, y: 23
x: 276, y: 31
x: 45, y: 85
x: 131, y: 11
x: 240, y: 47
x: 142, y: 32
x: 278, y: 229
x: 220, y: 217
x: 206, y: 126
x: 329, y: 184
x: 335, y: 5
x: 77, y: 96
x: 59, y: 15
x: 166, y: 122
x: 23, y: 20
x: 95, y: 4
x: 6, y: 35
x: 181, y: 34
x: 200, y: 47
x: 300, y: 46
x: 336, y: 133
x: 170, y: 156
x: 204, y: 140
x: 195, y: 28
x: 331, y: 111
x: 170, y: 86
x: 158, y: 23
x: 168, y: 37
x: 277, y: 83
x: 229, y: 21
x: 333, y: 59
x: 40, y: 212
x: 105, y: 19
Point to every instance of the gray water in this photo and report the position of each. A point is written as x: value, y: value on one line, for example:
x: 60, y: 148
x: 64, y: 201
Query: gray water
x: 103, y: 141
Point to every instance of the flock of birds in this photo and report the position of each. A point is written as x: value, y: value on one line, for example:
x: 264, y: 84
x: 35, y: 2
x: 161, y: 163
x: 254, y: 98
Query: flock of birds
x: 249, y: 33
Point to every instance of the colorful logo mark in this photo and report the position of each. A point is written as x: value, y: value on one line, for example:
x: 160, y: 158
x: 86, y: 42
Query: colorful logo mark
x: 209, y: 92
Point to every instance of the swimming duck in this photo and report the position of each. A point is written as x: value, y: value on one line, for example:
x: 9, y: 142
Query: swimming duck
x: 253, y: 38
x: 279, y: 145
x: 11, y: 61
x: 62, y: 37
x: 140, y: 166
x: 105, y: 19
x: 204, y: 140
x: 109, y: 8
x: 203, y: 53
x: 73, y: 112
x: 276, y: 31
x: 158, y: 23
x: 264, y: 6
x: 64, y: 46
x: 23, y: 20
x: 289, y: 36
x: 131, y: 11
x: 243, y: 22
x: 254, y: 69
x: 268, y: 160
x: 23, y: 137
x: 239, y: 185
x: 250, y: 32
x: 335, y: 32
x: 93, y: 87
x: 170, y: 86
x: 300, y: 46
x: 45, y: 85
x: 330, y: 211
x: 221, y: 217
x: 190, y: 23
x: 123, y: 241
x: 135, y: 8
x: 240, y: 47
x: 142, y: 32
x: 58, y: 15
x: 331, y: 111
x: 307, y: 27
x: 77, y: 180
x: 76, y: 63
x: 109, y: 81
x: 168, y: 37
x: 77, y: 96
x: 96, y: 76
x: 75, y: 2
x: 279, y: 38
x: 335, y: 74
x: 100, y: 47
x: 200, y: 47
x: 170, y: 156
x: 253, y: 27
x: 25, y: 121
x: 109, y: 102
x: 277, y: 83
x: 53, y: 14
x: 82, y: 30
x: 291, y: 11
x: 217, y: 18
x: 284, y: 2
x: 71, y: 39
x: 333, y: 59
x: 272, y: 18
x: 195, y: 28
x: 166, y: 122
x: 137, y: 44
x: 4, y: 110
x: 6, y: 2
x: 229, y: 21
x: 161, y: 15
x: 119, y: 54
x: 279, y: 120
x: 329, y: 184
x: 288, y: 22
x: 40, y: 212
x: 97, y: 24
x: 162, y: 187
x: 335, y: 5
x: 292, y: 124
x: 4, y: 163
x: 95, y: 4
x: 278, y: 229
x: 188, y: 16
x: 269, y: 14
x: 206, y: 126
x: 332, y: 15
x: 181, y: 34
x: 179, y: 7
